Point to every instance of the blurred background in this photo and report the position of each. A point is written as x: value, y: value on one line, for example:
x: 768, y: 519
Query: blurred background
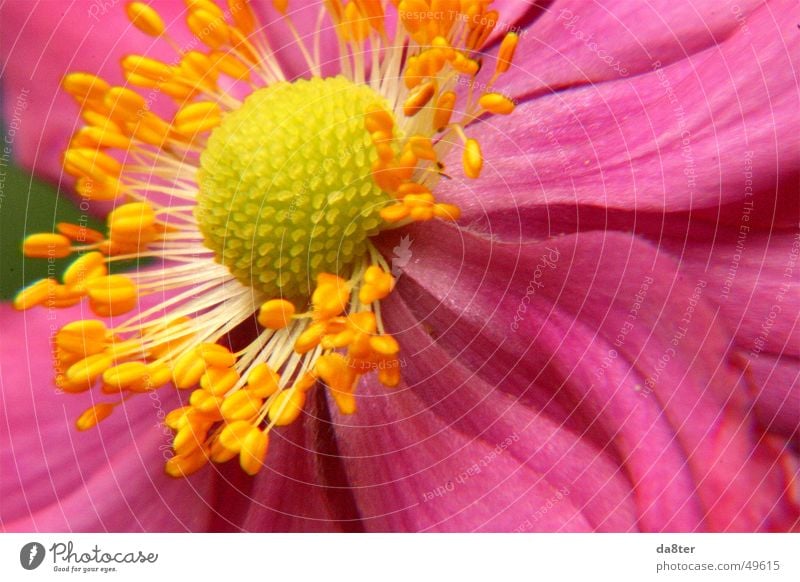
x: 28, y: 205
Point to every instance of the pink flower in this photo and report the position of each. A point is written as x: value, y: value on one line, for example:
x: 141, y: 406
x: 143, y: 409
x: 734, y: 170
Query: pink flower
x: 606, y: 341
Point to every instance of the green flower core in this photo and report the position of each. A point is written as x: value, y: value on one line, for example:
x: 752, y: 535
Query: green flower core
x: 286, y: 187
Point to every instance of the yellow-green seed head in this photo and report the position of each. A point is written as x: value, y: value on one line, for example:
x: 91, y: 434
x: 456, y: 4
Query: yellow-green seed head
x: 286, y: 188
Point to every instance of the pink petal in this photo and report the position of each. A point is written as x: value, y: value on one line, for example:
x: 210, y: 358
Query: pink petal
x: 58, y: 479
x: 514, y: 16
x: 577, y: 43
x: 304, y: 16
x: 776, y: 389
x: 753, y: 277
x: 683, y: 445
x: 301, y: 488
x: 620, y: 145
x: 751, y: 266
x: 449, y: 452
x: 42, y: 43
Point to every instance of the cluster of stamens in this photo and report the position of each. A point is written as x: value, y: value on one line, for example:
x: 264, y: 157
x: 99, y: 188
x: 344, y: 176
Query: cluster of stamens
x: 332, y: 333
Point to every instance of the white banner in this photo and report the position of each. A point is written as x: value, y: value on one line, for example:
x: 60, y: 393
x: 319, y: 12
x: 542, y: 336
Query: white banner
x: 389, y: 557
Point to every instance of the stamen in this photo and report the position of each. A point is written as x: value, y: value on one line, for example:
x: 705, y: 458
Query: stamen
x: 94, y: 415
x: 43, y: 246
x: 145, y: 18
x: 254, y: 449
x: 340, y: 378
x: 444, y: 110
x: 147, y: 68
x: 230, y: 65
x: 473, y: 159
x: 83, y: 337
x: 111, y: 295
x: 276, y: 314
x: 91, y: 163
x: 86, y: 88
x: 185, y: 465
x: 219, y: 381
x: 279, y: 198
x: 84, y: 269
x: 505, y: 55
x: 79, y: 233
x: 330, y: 297
x: 262, y: 381
x: 497, y: 104
x: 377, y: 285
x: 197, y: 117
x: 209, y: 27
x: 419, y: 99
x: 243, y: 15
x: 286, y: 406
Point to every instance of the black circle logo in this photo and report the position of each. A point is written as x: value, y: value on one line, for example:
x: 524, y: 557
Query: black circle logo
x: 31, y: 555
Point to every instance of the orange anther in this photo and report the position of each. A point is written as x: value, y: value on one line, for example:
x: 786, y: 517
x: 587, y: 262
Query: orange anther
x: 145, y: 18
x: 94, y: 416
x: 46, y: 245
x: 276, y: 314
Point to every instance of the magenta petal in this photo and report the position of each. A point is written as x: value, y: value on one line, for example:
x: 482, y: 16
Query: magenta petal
x: 675, y: 139
x: 301, y: 488
x: 304, y: 16
x: 41, y: 43
x: 448, y: 452
x: 680, y: 431
x: 576, y: 42
x: 753, y: 277
x: 57, y: 479
x: 776, y: 388
x: 514, y: 16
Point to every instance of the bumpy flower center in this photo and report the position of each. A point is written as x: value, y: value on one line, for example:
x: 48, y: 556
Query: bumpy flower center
x: 286, y: 187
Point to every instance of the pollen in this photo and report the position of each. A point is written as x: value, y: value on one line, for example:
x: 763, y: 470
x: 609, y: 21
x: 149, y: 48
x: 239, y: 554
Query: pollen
x: 286, y: 188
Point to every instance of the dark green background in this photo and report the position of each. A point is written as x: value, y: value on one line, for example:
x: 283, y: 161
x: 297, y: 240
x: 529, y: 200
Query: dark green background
x: 28, y: 206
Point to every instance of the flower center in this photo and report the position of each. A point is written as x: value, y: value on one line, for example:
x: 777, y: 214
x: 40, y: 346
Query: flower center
x: 263, y: 210
x: 286, y: 186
